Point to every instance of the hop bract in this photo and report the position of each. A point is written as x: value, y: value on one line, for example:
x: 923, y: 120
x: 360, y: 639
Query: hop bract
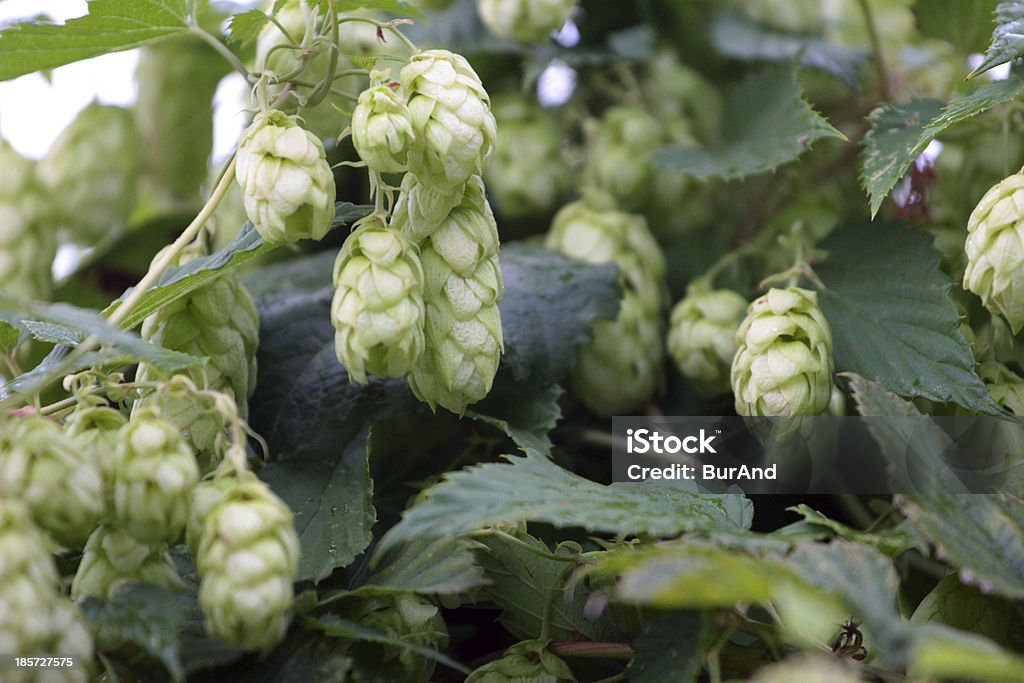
x: 451, y: 117
x: 702, y: 336
x: 27, y: 247
x: 247, y: 558
x: 94, y: 430
x: 995, y: 250
x: 529, y: 660
x: 378, y: 308
x: 287, y: 184
x: 382, y: 129
x: 113, y: 557
x: 783, y: 366
x: 421, y: 208
x: 530, y: 21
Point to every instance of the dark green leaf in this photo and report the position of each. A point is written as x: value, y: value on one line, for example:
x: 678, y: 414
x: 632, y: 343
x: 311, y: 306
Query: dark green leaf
x: 670, y: 648
x: 892, y: 318
x: 892, y: 540
x: 964, y: 23
x: 306, y: 655
x: 1006, y: 38
x: 766, y: 123
x: 110, y: 26
x: 953, y: 604
x: 524, y: 411
x: 635, y: 42
x: 443, y: 566
x: 10, y: 337
x: 947, y: 654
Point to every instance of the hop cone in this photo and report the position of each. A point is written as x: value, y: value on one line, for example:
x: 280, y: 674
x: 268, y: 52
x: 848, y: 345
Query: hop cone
x: 702, y: 336
x: 784, y: 363
x: 378, y: 308
x: 451, y: 118
x: 526, y: 662
x: 93, y: 167
x: 94, y: 431
x: 287, y: 185
x: 382, y: 129
x: 618, y: 157
x: 27, y: 248
x: 219, y: 322
x: 462, y: 289
x: 995, y: 250
x: 112, y: 557
x: 204, y: 497
x: 528, y: 174
x: 529, y: 21
x: 674, y: 93
x: 61, y: 485
x: 155, y: 470
x: 421, y: 208
x: 622, y: 367
x: 248, y: 556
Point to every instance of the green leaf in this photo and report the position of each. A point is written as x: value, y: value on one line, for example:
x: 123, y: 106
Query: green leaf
x: 953, y: 604
x: 245, y: 27
x: 305, y: 655
x: 524, y: 411
x: 439, y: 567
x: 807, y: 666
x: 766, y: 123
x: 669, y: 648
x: 143, y: 615
x: 532, y: 488
x: 963, y: 23
x: 982, y: 535
x: 735, y: 36
x: 110, y: 26
x: 892, y: 541
x: 892, y: 318
x: 942, y: 653
x: 10, y: 337
x: 1006, y: 38
x: 179, y: 281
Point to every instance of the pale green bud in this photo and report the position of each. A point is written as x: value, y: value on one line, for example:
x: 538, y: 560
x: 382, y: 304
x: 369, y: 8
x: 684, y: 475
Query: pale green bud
x: 421, y: 208
x: 61, y: 485
x: 995, y: 250
x: 94, y: 431
x: 529, y: 21
x: 618, y: 156
x: 287, y: 184
x: 378, y: 308
x: 382, y: 129
x: 528, y: 661
x: 113, y: 557
x: 27, y: 247
x: 702, y: 336
x: 784, y: 364
x: 155, y: 472
x: 248, y: 557
x: 451, y: 117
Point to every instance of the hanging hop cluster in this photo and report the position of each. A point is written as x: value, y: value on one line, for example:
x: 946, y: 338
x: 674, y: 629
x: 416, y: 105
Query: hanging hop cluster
x: 382, y: 126
x: 27, y: 247
x: 113, y: 557
x: 783, y: 366
x: 529, y: 21
x: 622, y: 367
x: 702, y: 336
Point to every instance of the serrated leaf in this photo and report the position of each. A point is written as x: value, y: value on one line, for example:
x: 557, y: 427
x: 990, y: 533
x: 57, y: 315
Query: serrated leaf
x: 981, y: 535
x: 953, y: 604
x: 524, y: 411
x: 146, y: 616
x: 669, y: 648
x: 245, y: 27
x: 766, y: 123
x: 735, y: 36
x: 10, y: 337
x: 110, y: 26
x: 892, y: 541
x: 892, y: 318
x: 532, y: 488
x: 963, y: 23
x: 439, y: 567
x: 1007, y: 37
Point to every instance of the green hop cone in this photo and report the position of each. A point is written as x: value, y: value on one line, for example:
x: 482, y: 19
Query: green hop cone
x: 247, y: 559
x: 27, y: 248
x: 94, y: 431
x: 93, y: 167
x: 382, y: 129
x: 155, y: 470
x: 1004, y: 385
x: 378, y: 308
x: 451, y: 117
x: 287, y: 184
x: 61, y: 485
x: 204, y: 497
x: 529, y: 21
x: 462, y: 289
x: 702, y: 336
x: 113, y: 557
x: 783, y: 366
x: 618, y: 156
x: 995, y: 250
x: 623, y: 365
x: 528, y: 661
x: 421, y: 208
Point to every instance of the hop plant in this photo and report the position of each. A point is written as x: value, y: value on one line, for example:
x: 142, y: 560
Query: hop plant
x: 94, y: 431
x: 618, y: 156
x: 792, y: 16
x: 702, y: 336
x: 528, y: 661
x: 27, y: 248
x: 529, y: 21
x: 287, y: 184
x: 155, y: 470
x: 247, y: 558
x: 378, y: 308
x: 995, y: 250
x: 112, y: 557
x: 462, y: 289
x: 621, y: 368
x: 421, y: 208
x: 382, y: 128
x: 61, y: 485
x: 93, y: 167
x: 783, y: 366
x: 451, y: 118
x: 203, y: 498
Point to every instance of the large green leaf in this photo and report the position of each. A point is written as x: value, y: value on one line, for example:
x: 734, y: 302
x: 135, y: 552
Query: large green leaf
x: 892, y: 318
x: 964, y: 23
x: 670, y: 648
x: 110, y: 26
x: 947, y: 654
x: 766, y: 123
x: 956, y: 605
x: 441, y: 566
x: 525, y: 411
x: 1007, y: 43
x: 535, y: 489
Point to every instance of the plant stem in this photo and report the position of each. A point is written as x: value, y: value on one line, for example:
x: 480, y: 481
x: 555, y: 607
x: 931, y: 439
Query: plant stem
x: 876, y: 49
x: 573, y: 648
x: 223, y: 50
x: 385, y: 25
